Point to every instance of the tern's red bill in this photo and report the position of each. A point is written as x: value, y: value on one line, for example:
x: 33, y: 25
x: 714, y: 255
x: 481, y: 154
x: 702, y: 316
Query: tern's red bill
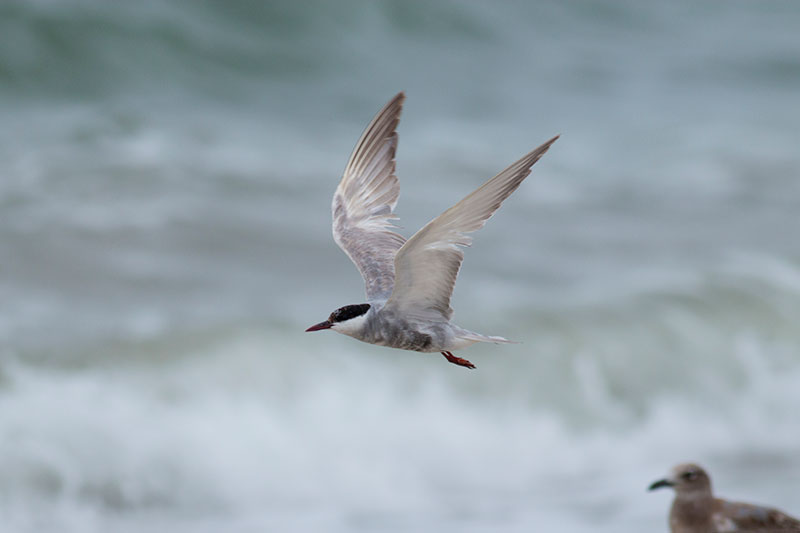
x: 322, y: 325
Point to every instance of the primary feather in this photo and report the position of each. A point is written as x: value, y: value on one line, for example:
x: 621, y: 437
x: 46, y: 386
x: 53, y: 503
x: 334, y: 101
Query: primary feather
x: 363, y: 204
x: 427, y: 265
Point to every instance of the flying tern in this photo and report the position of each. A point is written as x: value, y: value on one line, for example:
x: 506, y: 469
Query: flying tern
x: 408, y: 282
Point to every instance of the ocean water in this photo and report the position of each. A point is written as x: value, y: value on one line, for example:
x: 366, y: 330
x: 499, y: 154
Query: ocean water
x: 166, y: 170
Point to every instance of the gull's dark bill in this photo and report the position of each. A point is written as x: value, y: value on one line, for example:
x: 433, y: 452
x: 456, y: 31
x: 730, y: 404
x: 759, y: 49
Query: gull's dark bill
x: 661, y: 483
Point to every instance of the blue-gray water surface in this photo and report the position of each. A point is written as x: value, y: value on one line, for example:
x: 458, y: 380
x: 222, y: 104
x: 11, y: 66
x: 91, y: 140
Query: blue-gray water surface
x: 166, y: 170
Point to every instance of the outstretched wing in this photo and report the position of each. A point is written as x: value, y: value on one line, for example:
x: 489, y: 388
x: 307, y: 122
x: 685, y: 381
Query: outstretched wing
x: 363, y: 204
x: 427, y: 265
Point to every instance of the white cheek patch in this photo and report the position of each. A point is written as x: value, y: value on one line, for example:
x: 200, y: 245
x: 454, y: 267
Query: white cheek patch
x: 351, y: 326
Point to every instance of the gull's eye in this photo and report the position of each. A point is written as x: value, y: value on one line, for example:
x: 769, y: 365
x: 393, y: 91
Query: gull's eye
x: 689, y: 475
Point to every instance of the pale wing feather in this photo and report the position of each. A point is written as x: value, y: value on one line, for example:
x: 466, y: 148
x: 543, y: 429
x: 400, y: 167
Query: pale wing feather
x: 427, y: 265
x: 363, y: 204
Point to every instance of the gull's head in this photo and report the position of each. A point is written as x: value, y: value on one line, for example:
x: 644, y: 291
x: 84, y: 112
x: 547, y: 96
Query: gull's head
x: 688, y: 480
x: 347, y: 319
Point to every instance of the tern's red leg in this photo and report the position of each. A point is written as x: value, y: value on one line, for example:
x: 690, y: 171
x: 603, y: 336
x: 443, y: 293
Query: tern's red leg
x: 457, y: 360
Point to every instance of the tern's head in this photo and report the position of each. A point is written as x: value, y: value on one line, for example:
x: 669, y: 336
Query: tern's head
x: 688, y: 480
x: 344, y: 320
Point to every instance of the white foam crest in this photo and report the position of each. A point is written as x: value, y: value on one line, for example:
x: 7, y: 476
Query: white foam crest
x: 253, y: 429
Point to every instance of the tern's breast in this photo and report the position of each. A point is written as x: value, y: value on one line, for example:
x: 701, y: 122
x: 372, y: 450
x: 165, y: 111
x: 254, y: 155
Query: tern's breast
x: 389, y: 329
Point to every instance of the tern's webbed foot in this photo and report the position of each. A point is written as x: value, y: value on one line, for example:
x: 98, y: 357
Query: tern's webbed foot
x: 457, y: 360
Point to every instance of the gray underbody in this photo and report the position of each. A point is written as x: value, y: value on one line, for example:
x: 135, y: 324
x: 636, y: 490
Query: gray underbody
x: 387, y: 328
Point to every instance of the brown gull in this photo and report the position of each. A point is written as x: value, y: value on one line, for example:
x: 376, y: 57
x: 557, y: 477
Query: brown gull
x: 696, y: 510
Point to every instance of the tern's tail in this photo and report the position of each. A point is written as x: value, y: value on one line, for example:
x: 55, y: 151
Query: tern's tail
x: 477, y: 337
